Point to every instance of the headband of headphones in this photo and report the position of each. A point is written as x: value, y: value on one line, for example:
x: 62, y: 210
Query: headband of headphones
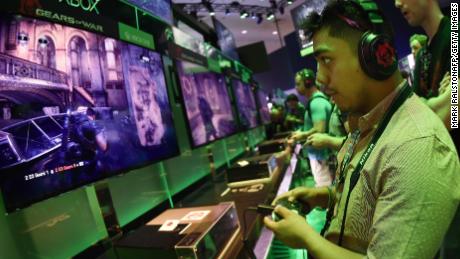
x: 307, y: 76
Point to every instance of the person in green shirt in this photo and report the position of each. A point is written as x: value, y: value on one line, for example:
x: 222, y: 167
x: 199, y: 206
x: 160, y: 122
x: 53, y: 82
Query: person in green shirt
x: 295, y: 112
x: 316, y: 119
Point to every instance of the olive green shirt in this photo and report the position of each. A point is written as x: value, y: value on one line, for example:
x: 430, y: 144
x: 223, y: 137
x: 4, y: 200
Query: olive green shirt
x: 408, y: 190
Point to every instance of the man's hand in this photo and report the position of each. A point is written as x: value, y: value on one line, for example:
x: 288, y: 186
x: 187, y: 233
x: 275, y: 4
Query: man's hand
x: 283, y: 157
x: 445, y: 85
x: 313, y: 196
x: 318, y: 140
x: 299, y: 136
x: 291, y: 229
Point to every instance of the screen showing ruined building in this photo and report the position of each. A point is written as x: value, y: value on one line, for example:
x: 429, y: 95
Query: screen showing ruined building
x: 75, y: 107
x: 207, y: 103
x: 246, y: 104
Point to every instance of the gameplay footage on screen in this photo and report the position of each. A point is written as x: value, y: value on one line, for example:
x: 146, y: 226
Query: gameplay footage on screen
x: 76, y: 107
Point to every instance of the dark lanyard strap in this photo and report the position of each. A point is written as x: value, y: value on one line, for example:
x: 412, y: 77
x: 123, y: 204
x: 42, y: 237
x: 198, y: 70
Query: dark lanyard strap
x: 403, y: 95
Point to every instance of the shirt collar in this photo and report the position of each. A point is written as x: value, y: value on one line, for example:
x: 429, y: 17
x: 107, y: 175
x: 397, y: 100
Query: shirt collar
x: 371, y: 120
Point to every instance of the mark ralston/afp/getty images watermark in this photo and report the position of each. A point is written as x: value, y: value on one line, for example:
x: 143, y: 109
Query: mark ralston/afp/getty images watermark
x: 454, y: 66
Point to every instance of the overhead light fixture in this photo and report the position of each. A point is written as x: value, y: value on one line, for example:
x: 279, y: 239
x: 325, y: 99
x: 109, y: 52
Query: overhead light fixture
x: 274, y: 32
x: 259, y: 18
x: 289, y: 2
x: 243, y: 14
x: 270, y: 16
x: 244, y: 31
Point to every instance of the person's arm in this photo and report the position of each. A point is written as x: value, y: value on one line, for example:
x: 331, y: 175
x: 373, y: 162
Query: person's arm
x: 315, y: 197
x: 294, y: 231
x: 323, y: 140
x: 319, y: 116
x: 319, y: 112
x: 418, y: 196
x: 408, y: 207
x: 441, y: 103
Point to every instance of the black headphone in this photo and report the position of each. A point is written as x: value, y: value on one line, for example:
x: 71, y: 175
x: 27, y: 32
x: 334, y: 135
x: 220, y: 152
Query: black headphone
x: 376, y: 53
x: 308, y: 77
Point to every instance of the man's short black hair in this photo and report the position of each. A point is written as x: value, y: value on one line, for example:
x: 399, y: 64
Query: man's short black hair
x: 347, y: 20
x: 292, y: 97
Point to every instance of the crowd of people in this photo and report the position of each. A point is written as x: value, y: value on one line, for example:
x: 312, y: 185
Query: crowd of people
x: 393, y: 186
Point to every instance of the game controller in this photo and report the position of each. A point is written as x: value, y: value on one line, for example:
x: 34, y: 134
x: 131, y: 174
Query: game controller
x: 301, y: 209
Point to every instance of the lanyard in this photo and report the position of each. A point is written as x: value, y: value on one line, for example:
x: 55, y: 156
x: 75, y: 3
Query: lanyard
x: 347, y: 157
x: 403, y: 95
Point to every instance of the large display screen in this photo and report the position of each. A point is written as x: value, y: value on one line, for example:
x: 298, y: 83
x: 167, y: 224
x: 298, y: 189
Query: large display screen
x: 75, y: 107
x: 299, y: 15
x: 226, y: 40
x: 262, y: 100
x: 159, y: 8
x: 207, y: 103
x: 189, y: 42
x: 246, y: 104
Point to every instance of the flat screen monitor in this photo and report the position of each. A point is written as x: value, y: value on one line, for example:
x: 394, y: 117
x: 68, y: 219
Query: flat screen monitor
x: 207, y: 104
x: 226, y: 40
x: 159, y: 8
x: 246, y: 104
x: 75, y: 107
x: 299, y: 14
x: 262, y: 100
x: 186, y: 40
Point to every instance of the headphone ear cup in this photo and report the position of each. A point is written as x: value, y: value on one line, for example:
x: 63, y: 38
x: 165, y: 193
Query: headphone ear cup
x: 377, y: 56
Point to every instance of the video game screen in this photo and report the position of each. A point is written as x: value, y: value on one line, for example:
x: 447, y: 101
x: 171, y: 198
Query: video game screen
x: 299, y: 15
x: 158, y: 8
x: 262, y: 100
x: 75, y: 107
x: 207, y: 103
x: 226, y: 40
x: 246, y: 104
x: 189, y: 42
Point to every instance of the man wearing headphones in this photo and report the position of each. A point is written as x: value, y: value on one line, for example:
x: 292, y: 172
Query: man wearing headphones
x: 432, y: 65
x: 431, y: 73
x: 317, y: 114
x: 389, y: 199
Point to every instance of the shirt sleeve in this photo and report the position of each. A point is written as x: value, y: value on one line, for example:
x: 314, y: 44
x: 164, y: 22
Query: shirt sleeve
x: 417, y: 196
x: 320, y: 109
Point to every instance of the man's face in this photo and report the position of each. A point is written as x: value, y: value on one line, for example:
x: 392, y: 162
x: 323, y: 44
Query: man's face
x: 339, y: 72
x: 414, y: 11
x: 292, y: 105
x: 415, y: 47
x: 300, y: 85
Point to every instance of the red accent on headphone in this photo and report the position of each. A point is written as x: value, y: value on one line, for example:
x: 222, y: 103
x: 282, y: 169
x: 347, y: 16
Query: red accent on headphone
x: 385, y: 55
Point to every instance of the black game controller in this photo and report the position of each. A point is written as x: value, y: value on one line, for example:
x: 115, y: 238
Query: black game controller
x: 300, y: 208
